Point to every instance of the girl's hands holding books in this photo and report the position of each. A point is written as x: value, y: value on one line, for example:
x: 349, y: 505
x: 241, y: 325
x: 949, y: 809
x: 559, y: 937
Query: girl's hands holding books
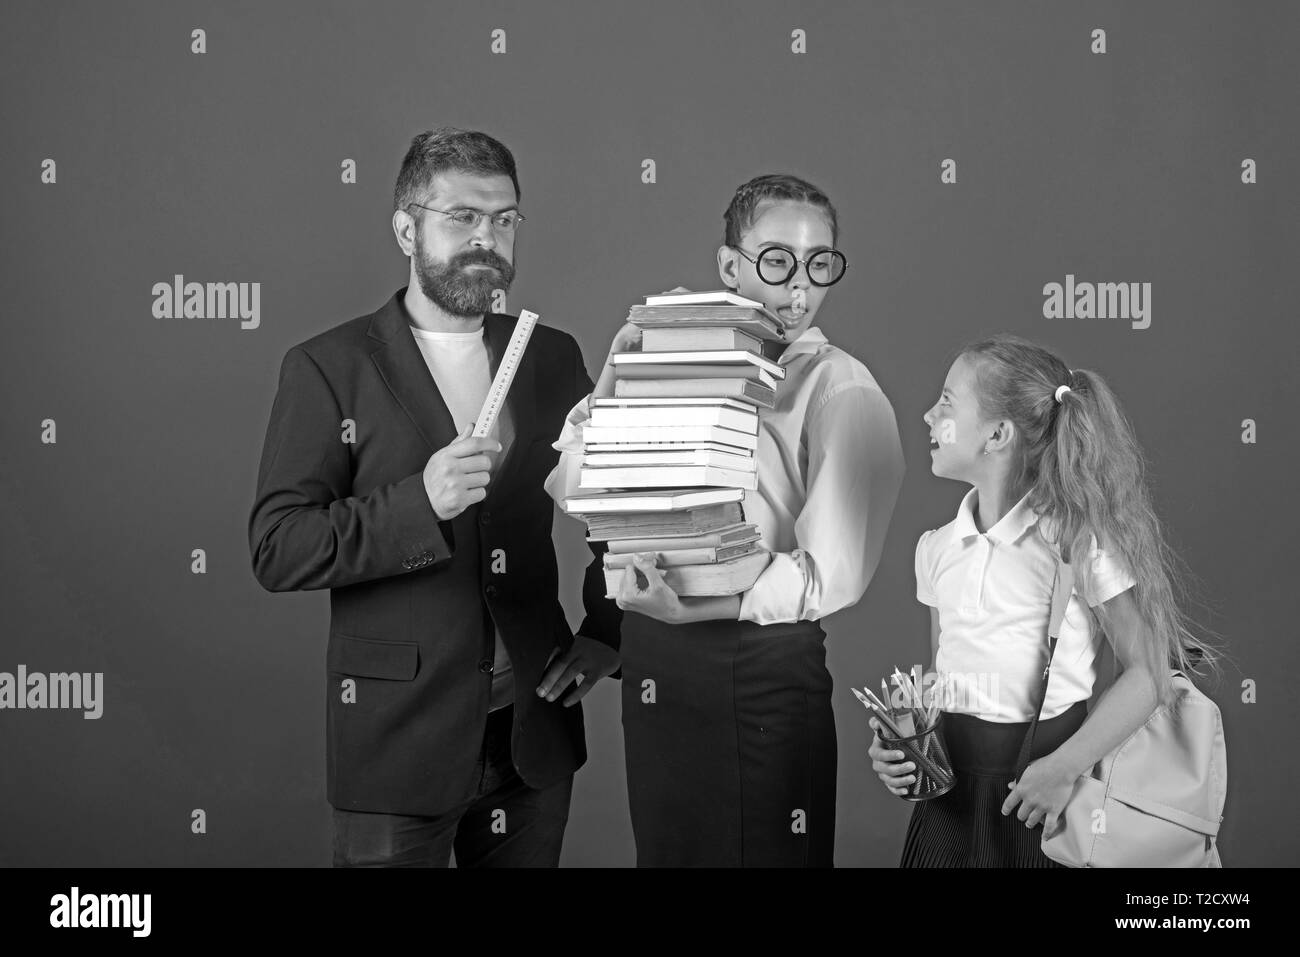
x: 896, y: 774
x: 627, y: 339
x: 656, y: 600
x: 1041, y: 792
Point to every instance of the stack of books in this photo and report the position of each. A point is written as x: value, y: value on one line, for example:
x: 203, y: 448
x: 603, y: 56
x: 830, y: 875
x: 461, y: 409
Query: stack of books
x: 667, y: 460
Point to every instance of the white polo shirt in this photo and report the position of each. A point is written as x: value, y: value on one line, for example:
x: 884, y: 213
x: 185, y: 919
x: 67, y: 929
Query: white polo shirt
x: 994, y: 592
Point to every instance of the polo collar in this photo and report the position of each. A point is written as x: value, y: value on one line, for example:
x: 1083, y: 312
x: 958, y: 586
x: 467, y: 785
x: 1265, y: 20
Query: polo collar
x: 1008, y: 529
x: 809, y: 341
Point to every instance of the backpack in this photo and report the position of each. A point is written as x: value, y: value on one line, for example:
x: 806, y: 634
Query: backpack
x: 1157, y: 799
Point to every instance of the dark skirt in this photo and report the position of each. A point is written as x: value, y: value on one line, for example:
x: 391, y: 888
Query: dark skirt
x: 730, y: 743
x: 966, y: 827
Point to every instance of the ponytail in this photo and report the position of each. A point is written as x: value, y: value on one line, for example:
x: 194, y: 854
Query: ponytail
x: 1079, y: 461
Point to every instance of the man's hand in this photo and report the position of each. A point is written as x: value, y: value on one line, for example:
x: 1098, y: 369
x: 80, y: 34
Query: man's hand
x: 456, y: 476
x: 586, y: 662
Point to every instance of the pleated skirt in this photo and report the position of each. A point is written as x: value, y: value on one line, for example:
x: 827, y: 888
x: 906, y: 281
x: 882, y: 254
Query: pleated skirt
x: 729, y: 743
x: 966, y: 827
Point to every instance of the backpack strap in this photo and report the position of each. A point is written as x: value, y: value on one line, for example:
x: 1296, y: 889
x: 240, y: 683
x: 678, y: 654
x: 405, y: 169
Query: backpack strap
x: 1062, y: 587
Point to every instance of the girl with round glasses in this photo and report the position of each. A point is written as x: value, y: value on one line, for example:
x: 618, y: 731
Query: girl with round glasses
x: 732, y: 760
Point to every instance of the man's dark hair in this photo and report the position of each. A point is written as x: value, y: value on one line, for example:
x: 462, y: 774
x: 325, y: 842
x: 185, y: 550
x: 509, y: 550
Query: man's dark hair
x: 773, y: 187
x: 447, y: 148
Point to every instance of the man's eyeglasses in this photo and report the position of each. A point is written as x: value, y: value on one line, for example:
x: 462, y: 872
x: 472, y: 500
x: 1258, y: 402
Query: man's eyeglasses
x: 776, y: 265
x: 466, y: 218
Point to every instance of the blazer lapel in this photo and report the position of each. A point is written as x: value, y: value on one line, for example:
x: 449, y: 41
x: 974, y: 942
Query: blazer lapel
x: 520, y: 399
x: 407, y: 376
x: 404, y: 371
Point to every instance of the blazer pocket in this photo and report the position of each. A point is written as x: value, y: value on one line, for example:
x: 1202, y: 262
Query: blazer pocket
x: 371, y: 658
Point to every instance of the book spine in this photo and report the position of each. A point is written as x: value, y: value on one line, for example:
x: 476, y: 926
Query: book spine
x: 610, y: 417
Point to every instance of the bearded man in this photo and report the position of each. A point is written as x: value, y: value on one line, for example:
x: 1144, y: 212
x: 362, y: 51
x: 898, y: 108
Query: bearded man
x: 452, y: 676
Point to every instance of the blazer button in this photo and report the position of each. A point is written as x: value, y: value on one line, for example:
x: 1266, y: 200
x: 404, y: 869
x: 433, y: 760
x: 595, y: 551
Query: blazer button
x: 491, y: 591
x: 485, y: 518
x: 485, y: 666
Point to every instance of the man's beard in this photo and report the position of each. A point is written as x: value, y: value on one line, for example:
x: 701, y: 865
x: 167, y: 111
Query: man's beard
x: 457, y: 289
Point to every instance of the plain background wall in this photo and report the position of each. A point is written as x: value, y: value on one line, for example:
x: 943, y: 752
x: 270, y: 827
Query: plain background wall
x: 225, y: 167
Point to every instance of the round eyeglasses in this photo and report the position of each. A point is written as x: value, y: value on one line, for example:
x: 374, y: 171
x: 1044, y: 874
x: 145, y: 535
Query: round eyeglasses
x: 776, y: 266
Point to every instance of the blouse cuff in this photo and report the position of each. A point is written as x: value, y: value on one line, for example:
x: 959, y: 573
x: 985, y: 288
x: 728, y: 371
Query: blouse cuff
x: 778, y: 594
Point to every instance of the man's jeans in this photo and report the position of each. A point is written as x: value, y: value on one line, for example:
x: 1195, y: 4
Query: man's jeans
x: 504, y: 824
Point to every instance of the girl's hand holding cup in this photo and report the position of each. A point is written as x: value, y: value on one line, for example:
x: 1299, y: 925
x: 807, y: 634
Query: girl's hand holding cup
x: 896, y: 774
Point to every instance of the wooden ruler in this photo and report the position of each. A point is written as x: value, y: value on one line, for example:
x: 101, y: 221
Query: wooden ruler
x: 496, y: 397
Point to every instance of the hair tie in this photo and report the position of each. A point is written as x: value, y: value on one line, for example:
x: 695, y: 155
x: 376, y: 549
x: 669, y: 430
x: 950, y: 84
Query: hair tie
x: 1062, y: 389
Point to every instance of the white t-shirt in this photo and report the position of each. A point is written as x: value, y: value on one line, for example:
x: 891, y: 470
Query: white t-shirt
x: 459, y: 364
x: 993, y: 591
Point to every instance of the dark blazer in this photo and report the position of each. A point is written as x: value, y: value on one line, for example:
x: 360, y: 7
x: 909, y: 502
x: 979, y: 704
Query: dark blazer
x: 413, y: 599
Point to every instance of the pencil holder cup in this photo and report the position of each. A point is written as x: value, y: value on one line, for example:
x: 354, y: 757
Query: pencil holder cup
x: 925, y: 749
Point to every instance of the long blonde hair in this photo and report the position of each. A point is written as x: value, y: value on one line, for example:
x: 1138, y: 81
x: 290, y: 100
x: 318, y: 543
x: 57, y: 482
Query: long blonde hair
x: 1082, y: 468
